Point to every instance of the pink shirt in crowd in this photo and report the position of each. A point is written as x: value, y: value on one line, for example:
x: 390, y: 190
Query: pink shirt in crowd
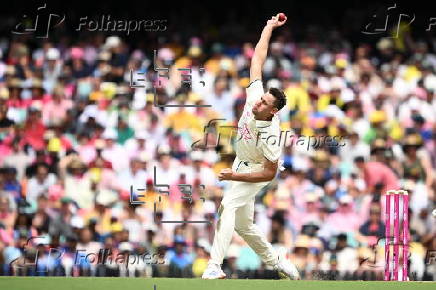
x: 377, y: 172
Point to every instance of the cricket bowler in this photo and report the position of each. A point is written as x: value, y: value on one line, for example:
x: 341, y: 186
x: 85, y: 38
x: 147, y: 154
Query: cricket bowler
x: 254, y: 167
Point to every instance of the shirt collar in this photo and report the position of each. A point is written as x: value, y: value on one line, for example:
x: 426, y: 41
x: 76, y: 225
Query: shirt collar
x: 263, y: 124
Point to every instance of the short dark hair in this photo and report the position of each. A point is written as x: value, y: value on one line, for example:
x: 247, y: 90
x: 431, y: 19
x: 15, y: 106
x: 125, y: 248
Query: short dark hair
x: 359, y: 159
x: 280, y: 96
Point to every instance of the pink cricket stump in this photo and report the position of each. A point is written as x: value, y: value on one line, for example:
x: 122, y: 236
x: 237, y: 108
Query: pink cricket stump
x: 396, y: 234
x: 387, y: 235
x: 405, y: 234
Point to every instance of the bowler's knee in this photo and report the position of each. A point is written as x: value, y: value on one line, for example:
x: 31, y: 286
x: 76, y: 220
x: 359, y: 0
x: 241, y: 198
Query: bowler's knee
x: 224, y: 211
x: 243, y: 229
x: 226, y: 208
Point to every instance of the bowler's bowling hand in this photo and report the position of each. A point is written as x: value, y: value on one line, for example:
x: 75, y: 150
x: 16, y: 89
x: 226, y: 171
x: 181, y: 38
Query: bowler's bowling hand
x: 225, y: 174
x: 277, y: 20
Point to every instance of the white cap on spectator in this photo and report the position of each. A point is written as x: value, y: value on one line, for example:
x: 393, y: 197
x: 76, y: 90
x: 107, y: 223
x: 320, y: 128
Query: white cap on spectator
x: 110, y: 134
x: 49, y: 134
x: 52, y: 54
x: 117, y: 212
x: 197, y: 156
x: 430, y: 82
x: 165, y: 54
x: 106, y: 197
x: 125, y: 246
x: 409, y: 185
x: 89, y: 112
x: 4, y: 93
x: 77, y: 222
x: 144, y: 156
x: 311, y: 197
x: 282, y: 191
x: 112, y: 41
x: 141, y: 134
x: 346, y: 199
x: 44, y: 240
x: 300, y: 164
x: 36, y: 106
x: 347, y: 95
x: 151, y: 227
x: 273, y: 83
x: 138, y: 55
x: 337, y: 83
x: 277, y: 46
x: 384, y: 43
x: 226, y: 64
x: 164, y: 149
x: 414, y: 104
x: 333, y: 111
x: 104, y: 55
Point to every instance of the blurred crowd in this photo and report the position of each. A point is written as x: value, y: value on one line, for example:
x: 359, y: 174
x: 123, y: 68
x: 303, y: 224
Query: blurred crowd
x: 82, y: 136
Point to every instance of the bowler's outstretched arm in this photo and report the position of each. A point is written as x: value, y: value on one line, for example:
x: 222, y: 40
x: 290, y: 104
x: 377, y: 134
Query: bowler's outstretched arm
x: 261, y: 50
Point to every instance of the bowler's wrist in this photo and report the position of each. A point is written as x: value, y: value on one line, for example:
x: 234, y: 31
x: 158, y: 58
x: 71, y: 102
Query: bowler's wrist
x: 235, y: 176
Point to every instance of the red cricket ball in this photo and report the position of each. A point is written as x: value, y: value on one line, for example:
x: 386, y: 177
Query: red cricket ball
x: 282, y: 16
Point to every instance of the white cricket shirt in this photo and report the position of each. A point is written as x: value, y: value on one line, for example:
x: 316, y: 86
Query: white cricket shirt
x: 249, y: 128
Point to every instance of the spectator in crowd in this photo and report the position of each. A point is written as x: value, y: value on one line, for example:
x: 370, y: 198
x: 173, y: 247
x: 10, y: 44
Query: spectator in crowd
x: 374, y: 229
x: 39, y: 184
x: 180, y: 261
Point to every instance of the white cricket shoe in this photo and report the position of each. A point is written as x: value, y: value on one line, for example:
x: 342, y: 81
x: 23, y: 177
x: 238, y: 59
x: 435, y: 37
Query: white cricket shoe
x: 213, y: 271
x: 286, y: 269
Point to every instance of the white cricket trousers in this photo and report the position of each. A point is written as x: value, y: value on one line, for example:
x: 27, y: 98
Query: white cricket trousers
x: 236, y: 212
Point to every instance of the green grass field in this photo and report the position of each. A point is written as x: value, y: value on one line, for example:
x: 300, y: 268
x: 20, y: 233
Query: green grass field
x: 91, y: 283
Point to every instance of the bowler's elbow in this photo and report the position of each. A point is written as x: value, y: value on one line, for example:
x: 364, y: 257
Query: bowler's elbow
x: 272, y: 175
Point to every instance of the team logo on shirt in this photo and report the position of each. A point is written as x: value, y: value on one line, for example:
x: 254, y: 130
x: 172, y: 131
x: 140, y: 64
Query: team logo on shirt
x: 245, y: 132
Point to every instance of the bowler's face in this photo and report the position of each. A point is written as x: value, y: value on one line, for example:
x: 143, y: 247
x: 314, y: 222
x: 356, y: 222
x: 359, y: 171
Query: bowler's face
x: 264, y: 107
